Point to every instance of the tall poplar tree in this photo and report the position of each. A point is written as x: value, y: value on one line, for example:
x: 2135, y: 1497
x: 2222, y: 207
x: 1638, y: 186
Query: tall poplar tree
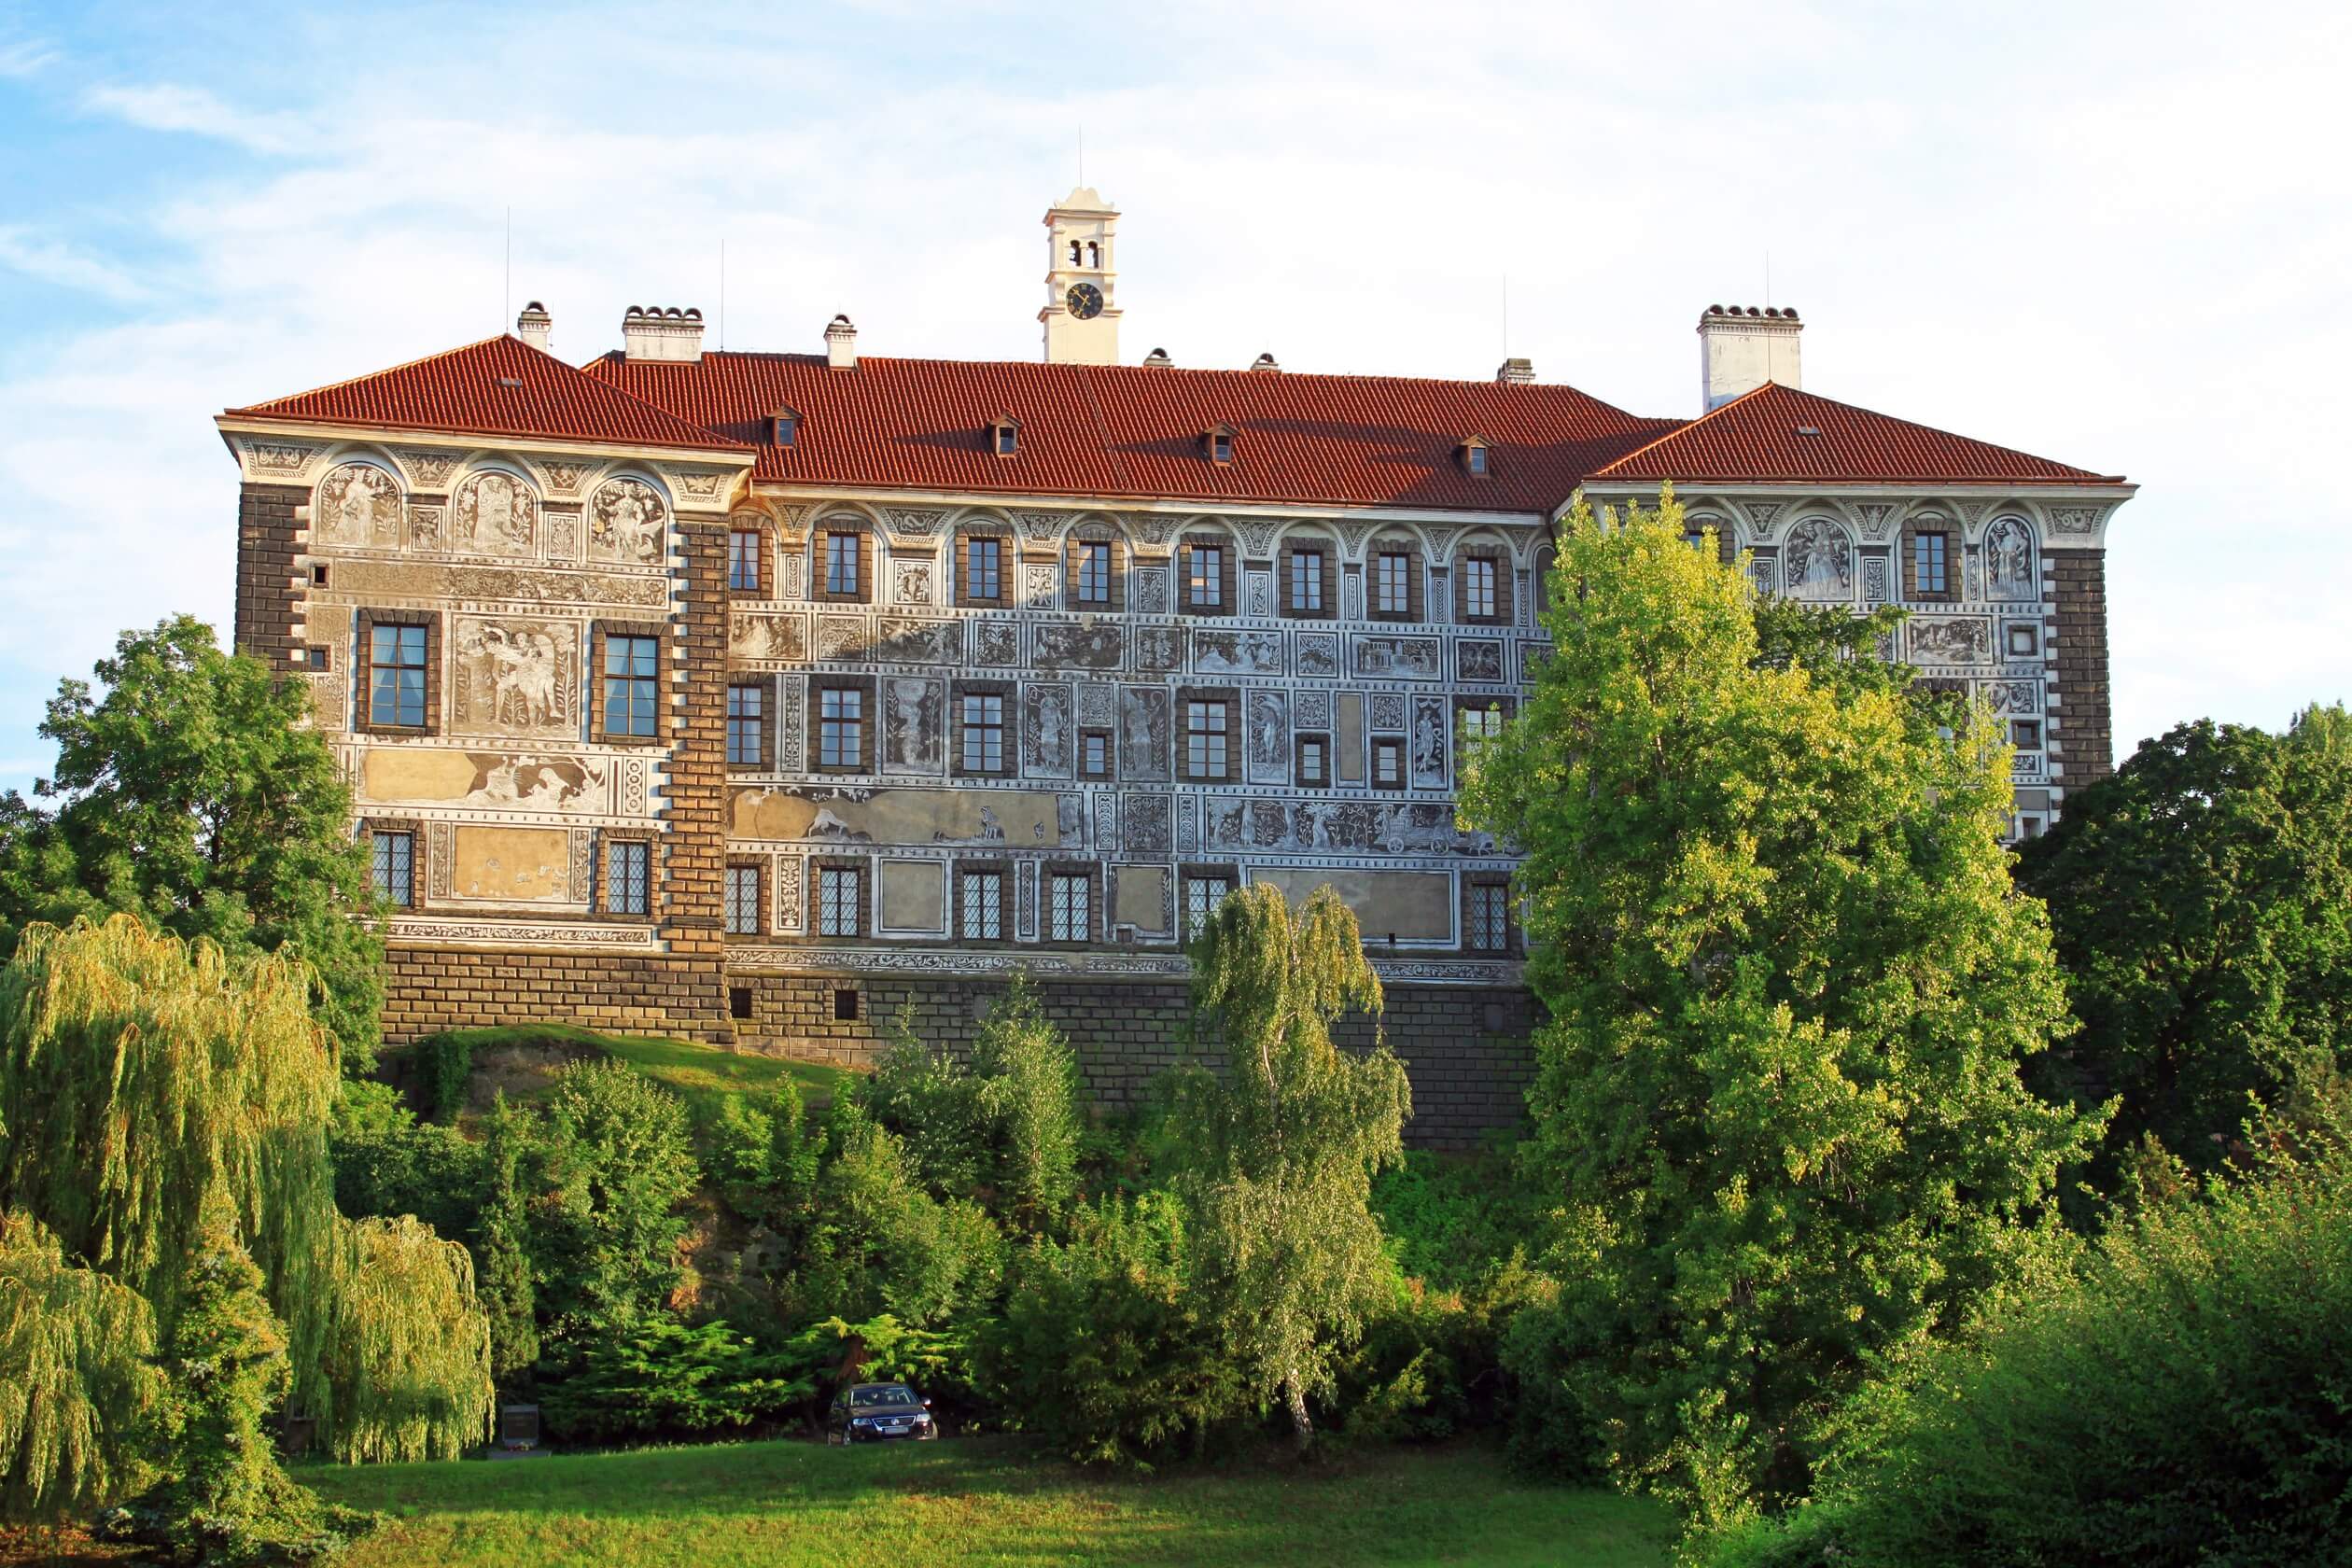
x: 1778, y: 1109
x: 1279, y: 1150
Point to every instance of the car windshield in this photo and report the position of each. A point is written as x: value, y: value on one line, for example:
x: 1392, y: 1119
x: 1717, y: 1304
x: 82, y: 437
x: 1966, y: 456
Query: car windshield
x: 865, y: 1398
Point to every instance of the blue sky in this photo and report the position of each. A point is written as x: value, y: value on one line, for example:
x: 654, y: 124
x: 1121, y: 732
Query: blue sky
x: 2110, y: 234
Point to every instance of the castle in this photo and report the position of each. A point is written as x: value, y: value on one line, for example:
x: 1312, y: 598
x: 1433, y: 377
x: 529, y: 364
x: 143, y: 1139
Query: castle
x: 757, y: 697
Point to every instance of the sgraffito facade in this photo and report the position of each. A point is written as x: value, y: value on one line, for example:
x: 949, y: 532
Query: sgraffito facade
x: 761, y: 698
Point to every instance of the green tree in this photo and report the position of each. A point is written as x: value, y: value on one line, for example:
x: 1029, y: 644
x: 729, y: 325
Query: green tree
x: 606, y: 1175
x: 503, y: 1265
x: 225, y: 1498
x: 145, y: 1082
x: 196, y: 794
x: 2201, y: 902
x: 1278, y: 1153
x: 76, y: 1391
x: 883, y: 1244
x: 1778, y: 1110
x: 1028, y: 1092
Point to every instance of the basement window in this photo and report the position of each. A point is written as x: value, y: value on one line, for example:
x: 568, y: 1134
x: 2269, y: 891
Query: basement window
x: 738, y: 1002
x: 318, y: 574
x: 845, y: 1007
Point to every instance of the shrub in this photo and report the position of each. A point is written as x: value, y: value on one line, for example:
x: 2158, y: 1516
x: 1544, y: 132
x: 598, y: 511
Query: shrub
x: 1028, y: 1098
x: 883, y: 1244
x: 661, y: 1378
x: 928, y: 1099
x: 387, y: 1163
x: 2185, y: 1397
x: 1428, y: 1365
x: 1105, y: 1347
x: 1451, y: 1221
x: 603, y: 1176
x: 764, y: 1159
x: 445, y: 1062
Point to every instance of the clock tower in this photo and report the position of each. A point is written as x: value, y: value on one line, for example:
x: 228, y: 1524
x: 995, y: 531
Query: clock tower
x: 1081, y: 317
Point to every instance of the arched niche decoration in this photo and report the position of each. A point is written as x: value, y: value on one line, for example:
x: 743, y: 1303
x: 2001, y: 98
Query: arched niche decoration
x: 2010, y: 545
x: 1817, y: 562
x: 357, y: 504
x: 495, y: 511
x: 628, y: 522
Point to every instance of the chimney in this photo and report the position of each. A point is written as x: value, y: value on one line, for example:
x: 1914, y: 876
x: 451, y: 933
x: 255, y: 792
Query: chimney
x: 1266, y: 362
x: 668, y: 336
x: 1157, y: 360
x: 1742, y: 347
x: 841, y: 344
x: 1516, y: 373
x: 536, y: 327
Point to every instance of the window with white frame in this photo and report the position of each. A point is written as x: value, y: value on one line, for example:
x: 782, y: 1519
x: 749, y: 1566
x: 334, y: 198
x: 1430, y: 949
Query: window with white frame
x: 983, y: 732
x: 1306, y: 581
x: 841, y: 727
x: 1393, y: 582
x: 1094, y: 572
x: 1478, y: 587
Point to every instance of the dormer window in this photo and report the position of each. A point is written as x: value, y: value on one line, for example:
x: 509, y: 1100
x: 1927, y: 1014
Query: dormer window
x: 1220, y: 443
x: 1475, y: 459
x: 1005, y: 436
x: 783, y: 426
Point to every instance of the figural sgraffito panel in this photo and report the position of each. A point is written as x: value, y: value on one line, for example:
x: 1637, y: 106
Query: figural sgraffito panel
x: 513, y: 676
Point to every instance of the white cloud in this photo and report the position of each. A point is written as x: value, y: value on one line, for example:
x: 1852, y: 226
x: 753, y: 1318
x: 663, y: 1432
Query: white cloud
x: 169, y: 106
x: 26, y: 57
x: 68, y: 266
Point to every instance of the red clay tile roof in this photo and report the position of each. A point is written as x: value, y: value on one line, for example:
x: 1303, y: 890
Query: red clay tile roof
x: 466, y: 391
x: 1760, y: 438
x: 1130, y: 431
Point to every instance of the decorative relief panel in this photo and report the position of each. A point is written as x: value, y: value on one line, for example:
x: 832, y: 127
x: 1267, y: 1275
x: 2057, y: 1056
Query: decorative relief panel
x: 1429, y: 743
x: 790, y: 910
x: 1265, y: 738
x: 1106, y: 830
x: 842, y: 638
x: 1069, y: 645
x: 1257, y: 538
x: 1819, y: 561
x: 910, y: 641
x: 425, y: 527
x: 1875, y: 515
x: 509, y: 780
x: 389, y: 581
x: 564, y: 478
x: 2012, y: 697
x: 1319, y: 654
x: 1146, y: 822
x: 1231, y: 653
x: 513, y: 676
x: 1313, y: 710
x: 1045, y: 731
x: 1151, y: 590
x: 914, y: 525
x: 1143, y: 732
x: 1097, y: 706
x: 2009, y: 552
x: 1337, y: 824
x: 1960, y: 639
x: 996, y: 643
x: 767, y: 637
x: 1041, y: 583
x: 790, y: 733
x: 1025, y: 917
x: 280, y: 457
x: 625, y: 520
x: 914, y: 725
x: 1477, y: 659
x: 494, y: 514
x: 1042, y: 527
x: 1159, y: 650
x: 430, y: 469
x: 1874, y: 580
x: 911, y: 582
x: 1256, y: 593
x: 1397, y: 658
x: 1187, y: 824
x: 1388, y: 713
x: 563, y: 532
x: 2074, y: 520
x: 359, y: 505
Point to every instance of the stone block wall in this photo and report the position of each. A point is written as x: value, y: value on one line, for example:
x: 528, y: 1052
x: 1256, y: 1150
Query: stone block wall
x: 2087, y: 727
x: 1465, y: 1050
x: 428, y: 989
x: 267, y: 592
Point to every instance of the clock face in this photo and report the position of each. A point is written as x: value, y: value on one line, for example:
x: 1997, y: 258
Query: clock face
x: 1084, y: 301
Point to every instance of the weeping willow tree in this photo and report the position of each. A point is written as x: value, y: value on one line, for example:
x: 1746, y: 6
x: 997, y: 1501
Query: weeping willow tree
x: 142, y: 1075
x: 1281, y: 1150
x: 76, y: 1388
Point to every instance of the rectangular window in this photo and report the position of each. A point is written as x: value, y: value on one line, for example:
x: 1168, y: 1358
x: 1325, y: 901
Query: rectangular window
x: 1478, y: 587
x: 1489, y: 917
x: 984, y: 568
x: 840, y: 899
x: 630, y: 672
x: 1478, y: 727
x: 2021, y: 638
x: 1388, y: 764
x: 1202, y: 894
x: 1305, y: 582
x: 1067, y: 913
x: 394, y: 868
x: 1695, y: 535
x: 396, y: 676
x: 2029, y: 827
x: 743, y: 901
x: 983, y: 732
x: 1221, y: 446
x: 1392, y: 584
x: 1204, y: 576
x: 1094, y: 755
x: 1928, y: 565
x: 1094, y: 572
x: 1008, y: 440
x: 743, y: 561
x: 841, y: 727
x: 1205, y: 740
x: 2026, y: 733
x: 747, y: 726
x: 982, y: 905
x: 629, y: 880
x: 1312, y: 768
x: 841, y: 563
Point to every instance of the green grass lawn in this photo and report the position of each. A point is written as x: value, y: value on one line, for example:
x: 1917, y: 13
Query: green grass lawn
x: 521, y: 1059
x: 980, y: 1501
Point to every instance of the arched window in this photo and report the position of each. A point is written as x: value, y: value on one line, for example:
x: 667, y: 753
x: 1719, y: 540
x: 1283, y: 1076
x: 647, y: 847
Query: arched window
x: 1093, y: 568
x: 1393, y: 569
x: 1308, y: 581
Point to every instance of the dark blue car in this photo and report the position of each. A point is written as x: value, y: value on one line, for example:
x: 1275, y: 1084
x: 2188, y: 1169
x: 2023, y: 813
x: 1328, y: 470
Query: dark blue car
x: 878, y: 1412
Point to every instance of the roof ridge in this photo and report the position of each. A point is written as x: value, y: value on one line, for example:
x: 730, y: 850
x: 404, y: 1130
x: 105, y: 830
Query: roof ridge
x: 370, y: 375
